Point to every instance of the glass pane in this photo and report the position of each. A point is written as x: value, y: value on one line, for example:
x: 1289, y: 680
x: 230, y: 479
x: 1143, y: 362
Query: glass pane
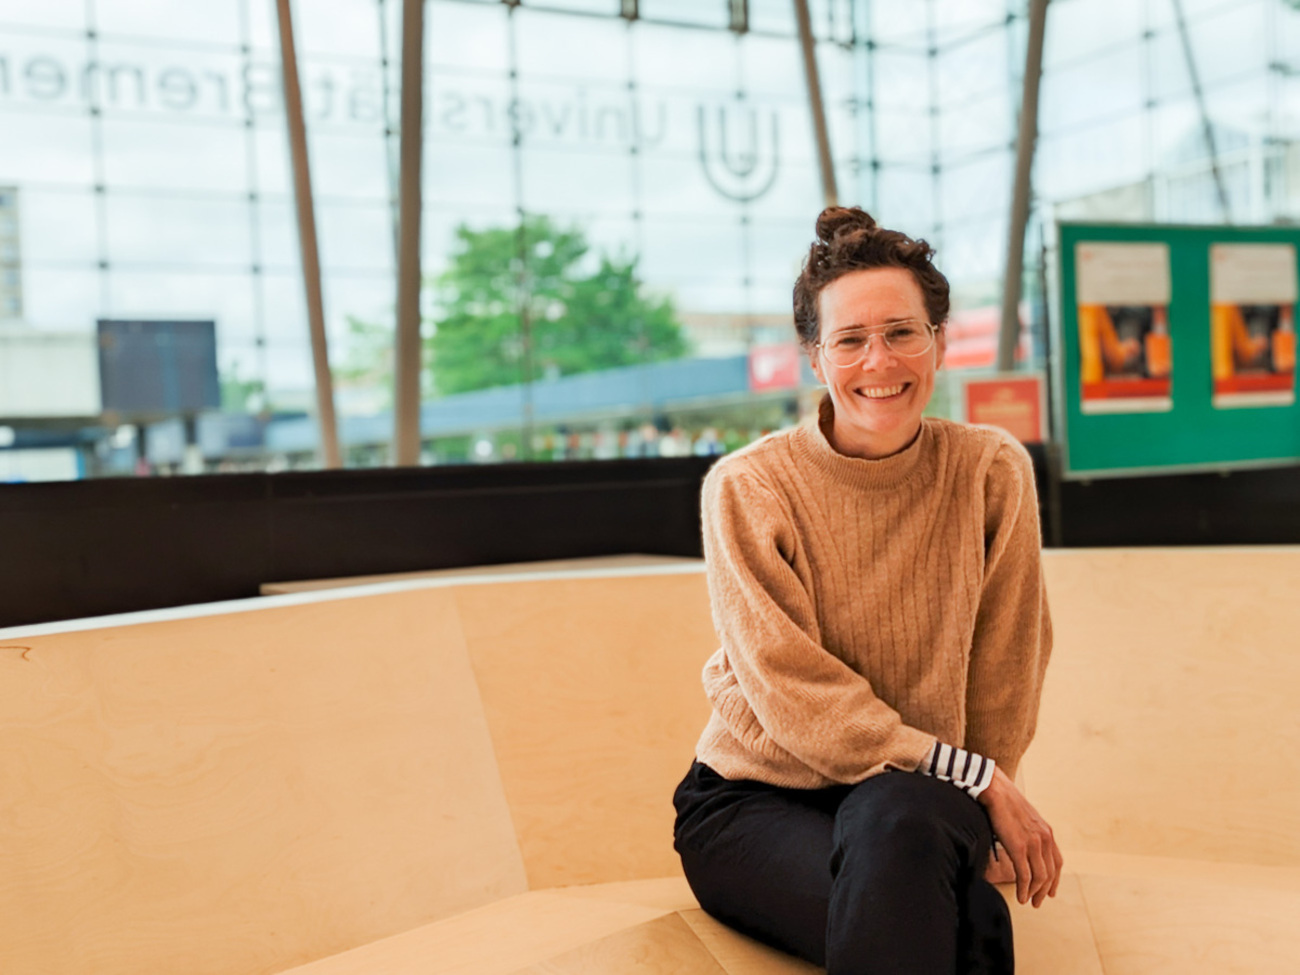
x: 685, y: 59
x: 158, y: 154
x: 226, y: 299
x: 553, y: 45
x: 43, y: 72
x: 61, y: 299
x: 468, y: 175
x: 558, y: 115
x: 978, y: 125
x: 465, y: 108
x: 1230, y: 43
x: 961, y: 21
x: 355, y: 237
x: 58, y: 226
x: 580, y: 181
x: 209, y: 22
x: 902, y: 24
x: 348, y: 167
x: 901, y: 80
x: 466, y: 35
x: 903, y: 138
x: 1099, y: 157
x: 1080, y: 29
x: 46, y: 149
x: 608, y: 7
x: 907, y: 200
x: 981, y: 188
x: 277, y: 233
x: 59, y: 14
x: 157, y: 229
x: 346, y: 27
x: 710, y: 13
x: 975, y: 68
x: 773, y: 16
x: 1091, y: 91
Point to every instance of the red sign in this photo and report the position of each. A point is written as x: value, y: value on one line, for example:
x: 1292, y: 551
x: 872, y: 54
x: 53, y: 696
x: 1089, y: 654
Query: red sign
x: 1014, y: 403
x: 774, y: 367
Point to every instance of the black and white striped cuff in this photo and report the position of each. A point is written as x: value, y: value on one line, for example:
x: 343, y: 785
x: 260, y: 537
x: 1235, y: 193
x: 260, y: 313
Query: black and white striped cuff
x: 968, y: 771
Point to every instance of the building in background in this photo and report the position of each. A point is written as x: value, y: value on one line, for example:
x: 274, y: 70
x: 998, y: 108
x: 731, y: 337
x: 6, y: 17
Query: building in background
x: 144, y: 158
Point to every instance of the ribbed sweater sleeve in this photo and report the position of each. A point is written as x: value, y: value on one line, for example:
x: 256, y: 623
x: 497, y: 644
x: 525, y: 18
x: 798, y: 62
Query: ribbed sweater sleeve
x: 1013, y: 630
x: 774, y: 684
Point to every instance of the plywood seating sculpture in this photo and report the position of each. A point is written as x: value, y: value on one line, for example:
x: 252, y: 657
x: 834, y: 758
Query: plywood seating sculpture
x: 474, y: 777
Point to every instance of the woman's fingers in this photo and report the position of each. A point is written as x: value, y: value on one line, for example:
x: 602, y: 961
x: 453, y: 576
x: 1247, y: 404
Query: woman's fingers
x: 1060, y: 867
x: 1042, y: 873
x: 1020, y: 859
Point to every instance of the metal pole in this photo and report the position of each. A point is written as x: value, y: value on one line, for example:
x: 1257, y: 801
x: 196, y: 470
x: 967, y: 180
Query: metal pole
x: 329, y: 434
x: 815, y: 106
x: 406, y: 434
x: 1195, y: 77
x: 1009, y: 335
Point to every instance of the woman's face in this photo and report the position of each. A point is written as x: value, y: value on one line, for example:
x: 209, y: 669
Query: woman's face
x: 878, y: 402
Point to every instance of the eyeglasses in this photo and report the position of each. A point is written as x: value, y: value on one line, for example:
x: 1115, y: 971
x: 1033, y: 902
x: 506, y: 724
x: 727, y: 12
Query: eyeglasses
x: 906, y: 338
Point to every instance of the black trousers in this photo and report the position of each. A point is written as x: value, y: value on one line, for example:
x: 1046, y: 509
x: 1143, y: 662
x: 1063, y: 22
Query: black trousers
x: 882, y: 878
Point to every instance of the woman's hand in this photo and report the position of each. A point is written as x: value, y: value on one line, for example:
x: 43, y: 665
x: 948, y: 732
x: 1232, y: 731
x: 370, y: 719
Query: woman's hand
x: 1027, y: 841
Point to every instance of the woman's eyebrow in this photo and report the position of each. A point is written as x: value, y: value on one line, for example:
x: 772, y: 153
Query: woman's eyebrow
x: 888, y: 321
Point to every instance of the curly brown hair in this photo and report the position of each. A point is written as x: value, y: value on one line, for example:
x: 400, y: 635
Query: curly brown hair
x: 848, y: 239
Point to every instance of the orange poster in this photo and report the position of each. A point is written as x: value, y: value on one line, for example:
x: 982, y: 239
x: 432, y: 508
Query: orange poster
x: 1125, y: 349
x: 1013, y: 402
x: 1252, y: 324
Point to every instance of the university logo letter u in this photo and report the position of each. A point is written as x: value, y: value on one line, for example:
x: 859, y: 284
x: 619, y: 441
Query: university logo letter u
x: 732, y: 150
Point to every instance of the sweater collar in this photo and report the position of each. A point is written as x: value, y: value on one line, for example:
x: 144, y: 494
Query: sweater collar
x: 811, y: 446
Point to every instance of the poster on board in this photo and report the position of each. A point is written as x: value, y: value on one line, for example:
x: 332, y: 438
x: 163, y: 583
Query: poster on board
x: 1252, y: 324
x: 1125, y: 349
x: 1013, y: 401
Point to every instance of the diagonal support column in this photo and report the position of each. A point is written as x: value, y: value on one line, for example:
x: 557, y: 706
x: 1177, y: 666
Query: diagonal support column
x: 325, y: 418
x: 815, y: 105
x: 1009, y: 334
x: 406, y: 433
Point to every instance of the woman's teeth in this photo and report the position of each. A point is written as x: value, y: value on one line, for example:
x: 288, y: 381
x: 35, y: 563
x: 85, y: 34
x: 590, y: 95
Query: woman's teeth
x: 881, y: 392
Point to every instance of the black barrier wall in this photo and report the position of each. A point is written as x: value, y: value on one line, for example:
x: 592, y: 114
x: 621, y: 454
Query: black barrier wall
x: 89, y: 548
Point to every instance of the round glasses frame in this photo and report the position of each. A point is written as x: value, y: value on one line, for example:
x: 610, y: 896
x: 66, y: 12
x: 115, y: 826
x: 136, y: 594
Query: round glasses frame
x: 858, y: 355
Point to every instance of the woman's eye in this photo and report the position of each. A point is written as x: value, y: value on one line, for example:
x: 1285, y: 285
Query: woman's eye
x: 903, y: 332
x: 849, y: 342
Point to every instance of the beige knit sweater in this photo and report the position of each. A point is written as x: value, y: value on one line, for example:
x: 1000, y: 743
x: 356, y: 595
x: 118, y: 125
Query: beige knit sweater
x: 868, y: 608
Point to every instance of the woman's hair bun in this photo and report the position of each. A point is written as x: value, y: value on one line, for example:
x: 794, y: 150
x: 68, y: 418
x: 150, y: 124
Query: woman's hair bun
x: 834, y: 221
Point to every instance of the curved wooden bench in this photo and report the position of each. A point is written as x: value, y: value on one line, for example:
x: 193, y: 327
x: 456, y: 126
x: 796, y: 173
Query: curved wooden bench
x: 474, y: 776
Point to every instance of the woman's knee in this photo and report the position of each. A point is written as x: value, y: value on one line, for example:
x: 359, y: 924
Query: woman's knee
x: 912, y: 818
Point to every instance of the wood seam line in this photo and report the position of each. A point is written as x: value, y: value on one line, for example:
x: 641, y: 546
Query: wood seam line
x: 1087, y: 911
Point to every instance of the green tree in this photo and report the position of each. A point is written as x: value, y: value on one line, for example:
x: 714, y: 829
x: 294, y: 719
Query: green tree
x: 580, y: 318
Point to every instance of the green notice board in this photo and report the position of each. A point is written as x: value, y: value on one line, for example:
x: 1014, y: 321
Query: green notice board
x: 1165, y: 364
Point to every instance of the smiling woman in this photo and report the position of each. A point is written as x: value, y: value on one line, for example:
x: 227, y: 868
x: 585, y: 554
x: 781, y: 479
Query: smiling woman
x: 875, y: 580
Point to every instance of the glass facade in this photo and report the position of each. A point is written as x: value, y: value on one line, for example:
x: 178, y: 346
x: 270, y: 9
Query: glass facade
x: 615, y: 207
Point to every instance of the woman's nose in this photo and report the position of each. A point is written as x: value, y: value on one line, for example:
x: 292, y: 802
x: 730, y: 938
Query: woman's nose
x: 878, y: 354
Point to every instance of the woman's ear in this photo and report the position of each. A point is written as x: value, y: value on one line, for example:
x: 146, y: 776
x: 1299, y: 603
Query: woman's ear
x: 940, y: 345
x: 815, y: 361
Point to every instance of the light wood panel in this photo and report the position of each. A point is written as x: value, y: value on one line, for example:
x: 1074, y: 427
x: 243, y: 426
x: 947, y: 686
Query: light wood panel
x: 499, y: 939
x: 243, y: 792
x: 741, y: 955
x: 592, y: 692
x: 1057, y: 938
x: 1186, y: 926
x: 664, y: 893
x: 1170, y: 704
x: 665, y: 946
x: 550, y: 565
